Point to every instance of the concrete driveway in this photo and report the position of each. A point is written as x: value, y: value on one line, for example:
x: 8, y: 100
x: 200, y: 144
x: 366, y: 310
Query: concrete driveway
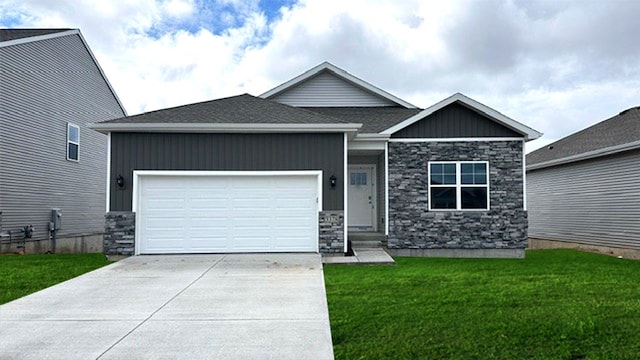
x: 240, y: 306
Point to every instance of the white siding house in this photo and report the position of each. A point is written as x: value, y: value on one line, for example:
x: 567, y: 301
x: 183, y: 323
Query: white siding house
x: 583, y: 190
x: 51, y: 87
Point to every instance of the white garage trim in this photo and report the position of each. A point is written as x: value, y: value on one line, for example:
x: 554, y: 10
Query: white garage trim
x: 138, y: 175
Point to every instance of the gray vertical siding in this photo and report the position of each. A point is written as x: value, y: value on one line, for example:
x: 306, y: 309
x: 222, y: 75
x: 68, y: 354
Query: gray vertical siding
x: 593, y: 202
x: 326, y: 89
x: 240, y: 152
x: 44, y: 85
x: 455, y: 121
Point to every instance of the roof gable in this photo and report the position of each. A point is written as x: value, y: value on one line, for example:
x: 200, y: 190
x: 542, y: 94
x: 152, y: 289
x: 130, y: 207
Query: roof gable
x: 328, y: 85
x: 487, y: 113
x: 455, y: 121
x: 613, y: 135
x: 29, y: 37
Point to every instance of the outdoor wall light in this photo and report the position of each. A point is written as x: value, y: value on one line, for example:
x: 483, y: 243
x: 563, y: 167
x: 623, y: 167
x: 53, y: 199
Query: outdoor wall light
x: 332, y: 181
x: 120, y: 181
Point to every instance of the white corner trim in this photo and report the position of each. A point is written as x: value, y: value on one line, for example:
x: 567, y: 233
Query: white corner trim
x: 223, y: 127
x: 587, y: 155
x: 468, y: 139
x: 529, y: 133
x: 524, y: 178
x: 345, y: 201
x: 386, y: 188
x: 340, y: 73
x: 108, y: 190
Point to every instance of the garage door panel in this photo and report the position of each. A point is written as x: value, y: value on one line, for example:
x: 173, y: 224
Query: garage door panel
x: 228, y: 213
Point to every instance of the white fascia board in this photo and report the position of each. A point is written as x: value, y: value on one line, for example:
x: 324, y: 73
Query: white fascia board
x: 223, y: 127
x: 366, y: 145
x: 39, y: 38
x: 587, y: 155
x: 529, y: 133
x: 417, y: 140
x: 341, y: 74
x: 370, y: 136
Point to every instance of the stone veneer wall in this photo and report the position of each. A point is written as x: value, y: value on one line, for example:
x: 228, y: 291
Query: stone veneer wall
x: 331, y: 229
x: 119, y: 233
x: 119, y: 236
x: 413, y: 226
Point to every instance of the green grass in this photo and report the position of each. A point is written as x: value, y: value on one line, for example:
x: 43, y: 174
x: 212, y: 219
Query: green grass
x: 23, y: 275
x: 555, y: 304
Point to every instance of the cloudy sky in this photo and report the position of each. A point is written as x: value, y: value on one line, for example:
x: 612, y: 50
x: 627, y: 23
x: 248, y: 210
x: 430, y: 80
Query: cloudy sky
x: 557, y: 66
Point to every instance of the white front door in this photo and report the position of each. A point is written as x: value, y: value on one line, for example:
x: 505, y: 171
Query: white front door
x: 362, y: 202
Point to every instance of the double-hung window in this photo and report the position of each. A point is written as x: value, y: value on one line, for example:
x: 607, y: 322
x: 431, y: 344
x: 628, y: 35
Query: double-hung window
x: 458, y: 185
x: 73, y: 142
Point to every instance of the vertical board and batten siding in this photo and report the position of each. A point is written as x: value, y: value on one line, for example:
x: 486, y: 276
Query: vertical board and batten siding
x: 593, y: 202
x: 455, y: 121
x: 325, y: 90
x: 227, y: 152
x: 43, y: 85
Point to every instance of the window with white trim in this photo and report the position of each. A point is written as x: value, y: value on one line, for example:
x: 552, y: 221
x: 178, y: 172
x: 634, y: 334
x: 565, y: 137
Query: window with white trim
x: 458, y: 185
x: 73, y: 142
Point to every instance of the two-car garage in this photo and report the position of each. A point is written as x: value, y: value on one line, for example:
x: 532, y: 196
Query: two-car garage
x: 226, y: 211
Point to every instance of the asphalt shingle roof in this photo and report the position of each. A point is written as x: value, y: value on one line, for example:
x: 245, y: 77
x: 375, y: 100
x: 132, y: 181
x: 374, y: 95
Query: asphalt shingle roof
x: 14, y: 34
x: 240, y: 109
x: 621, y: 129
x: 373, y: 119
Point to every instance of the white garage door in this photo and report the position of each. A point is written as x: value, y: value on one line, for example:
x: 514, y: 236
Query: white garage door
x: 227, y: 213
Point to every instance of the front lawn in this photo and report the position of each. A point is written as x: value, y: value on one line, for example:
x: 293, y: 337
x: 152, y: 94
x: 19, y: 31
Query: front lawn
x: 555, y: 304
x: 23, y: 275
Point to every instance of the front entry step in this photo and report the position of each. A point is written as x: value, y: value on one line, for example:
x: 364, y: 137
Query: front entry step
x: 367, y: 240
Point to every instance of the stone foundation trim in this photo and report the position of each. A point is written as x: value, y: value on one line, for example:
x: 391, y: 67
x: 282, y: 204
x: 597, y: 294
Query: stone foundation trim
x: 119, y: 233
x: 460, y: 253
x: 331, y: 231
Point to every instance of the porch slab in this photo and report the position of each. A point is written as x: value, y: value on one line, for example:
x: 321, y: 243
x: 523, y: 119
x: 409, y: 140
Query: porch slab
x: 364, y: 256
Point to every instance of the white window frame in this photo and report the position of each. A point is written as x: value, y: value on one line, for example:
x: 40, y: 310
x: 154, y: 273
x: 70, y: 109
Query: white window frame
x: 458, y: 185
x: 77, y: 143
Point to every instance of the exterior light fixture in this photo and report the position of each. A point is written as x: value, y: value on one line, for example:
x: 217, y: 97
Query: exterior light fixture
x: 120, y: 181
x: 332, y: 181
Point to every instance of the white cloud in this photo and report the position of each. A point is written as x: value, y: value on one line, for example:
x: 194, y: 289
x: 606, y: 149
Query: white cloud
x: 556, y: 66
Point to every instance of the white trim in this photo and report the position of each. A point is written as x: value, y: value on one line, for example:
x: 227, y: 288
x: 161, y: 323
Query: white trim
x: 506, y: 121
x: 458, y: 185
x: 223, y: 127
x: 345, y: 173
x: 468, y: 139
x: 370, y: 136
x: 366, y: 145
x: 38, y: 38
x: 138, y: 176
x: 108, y: 192
x: 386, y: 188
x: 77, y: 143
x: 524, y: 178
x: 340, y: 73
x: 587, y: 155
x: 373, y: 168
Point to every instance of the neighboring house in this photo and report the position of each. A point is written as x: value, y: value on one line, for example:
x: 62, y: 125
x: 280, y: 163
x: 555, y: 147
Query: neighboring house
x: 311, y: 161
x: 583, y: 189
x: 51, y: 87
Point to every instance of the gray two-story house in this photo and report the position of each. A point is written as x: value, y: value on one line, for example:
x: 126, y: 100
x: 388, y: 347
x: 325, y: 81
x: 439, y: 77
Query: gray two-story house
x: 51, y: 87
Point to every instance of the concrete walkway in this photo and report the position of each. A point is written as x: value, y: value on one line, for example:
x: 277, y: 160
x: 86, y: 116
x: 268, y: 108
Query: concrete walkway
x: 241, y: 306
x: 362, y: 256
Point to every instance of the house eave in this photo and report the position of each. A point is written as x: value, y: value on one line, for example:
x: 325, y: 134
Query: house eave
x: 224, y: 127
x: 585, y: 156
x: 527, y: 132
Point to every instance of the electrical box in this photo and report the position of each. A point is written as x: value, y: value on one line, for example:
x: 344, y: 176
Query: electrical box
x: 56, y: 219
